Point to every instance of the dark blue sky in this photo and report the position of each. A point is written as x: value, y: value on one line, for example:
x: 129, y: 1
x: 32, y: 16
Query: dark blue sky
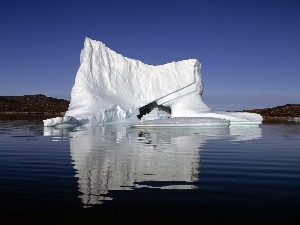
x: 249, y: 50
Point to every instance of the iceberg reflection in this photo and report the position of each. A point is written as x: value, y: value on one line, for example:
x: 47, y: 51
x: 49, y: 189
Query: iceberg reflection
x: 115, y: 157
x: 245, y: 133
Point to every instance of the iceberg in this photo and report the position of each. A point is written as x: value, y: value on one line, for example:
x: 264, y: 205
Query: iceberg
x: 111, y: 88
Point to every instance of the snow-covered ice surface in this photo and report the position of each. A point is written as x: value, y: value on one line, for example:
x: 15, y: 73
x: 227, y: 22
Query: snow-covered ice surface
x: 62, y: 122
x: 184, y: 121
x: 111, y: 88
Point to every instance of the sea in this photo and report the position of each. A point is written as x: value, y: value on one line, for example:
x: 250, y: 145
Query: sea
x: 113, y: 174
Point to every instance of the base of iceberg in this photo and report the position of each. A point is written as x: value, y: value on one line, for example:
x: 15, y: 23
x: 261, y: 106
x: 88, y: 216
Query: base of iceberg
x: 207, y: 119
x: 62, y: 122
x: 183, y: 122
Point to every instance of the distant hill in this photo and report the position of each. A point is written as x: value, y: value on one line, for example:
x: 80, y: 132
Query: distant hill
x: 279, y: 113
x: 34, y: 104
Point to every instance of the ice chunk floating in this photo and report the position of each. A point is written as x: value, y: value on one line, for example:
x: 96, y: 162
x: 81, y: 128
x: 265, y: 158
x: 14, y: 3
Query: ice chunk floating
x: 112, y: 88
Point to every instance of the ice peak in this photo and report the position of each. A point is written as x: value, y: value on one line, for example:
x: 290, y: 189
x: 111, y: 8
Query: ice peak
x: 106, y: 78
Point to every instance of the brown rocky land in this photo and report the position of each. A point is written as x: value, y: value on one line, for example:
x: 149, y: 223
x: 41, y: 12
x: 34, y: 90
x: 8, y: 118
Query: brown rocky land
x: 32, y: 105
x: 285, y: 113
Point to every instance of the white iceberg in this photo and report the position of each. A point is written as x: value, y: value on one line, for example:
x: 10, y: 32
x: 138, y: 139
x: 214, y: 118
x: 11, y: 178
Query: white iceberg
x: 112, y: 88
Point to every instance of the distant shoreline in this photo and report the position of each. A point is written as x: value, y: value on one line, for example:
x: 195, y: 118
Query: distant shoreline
x: 32, y: 113
x: 289, y: 113
x: 42, y: 107
x: 28, y: 106
x: 27, y: 116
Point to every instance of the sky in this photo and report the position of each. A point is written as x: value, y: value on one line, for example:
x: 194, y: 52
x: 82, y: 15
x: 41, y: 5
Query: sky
x: 249, y: 49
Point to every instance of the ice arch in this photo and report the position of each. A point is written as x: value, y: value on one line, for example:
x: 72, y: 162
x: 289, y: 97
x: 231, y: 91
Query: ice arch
x: 144, y: 110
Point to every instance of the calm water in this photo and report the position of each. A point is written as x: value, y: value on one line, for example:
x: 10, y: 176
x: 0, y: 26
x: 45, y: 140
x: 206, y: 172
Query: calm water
x: 242, y: 175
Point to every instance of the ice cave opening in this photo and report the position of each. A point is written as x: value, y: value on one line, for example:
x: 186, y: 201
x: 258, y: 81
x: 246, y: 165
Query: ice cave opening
x: 144, y: 110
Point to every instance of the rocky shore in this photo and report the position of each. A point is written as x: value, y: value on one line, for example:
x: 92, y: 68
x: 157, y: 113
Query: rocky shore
x: 42, y: 107
x: 288, y: 113
x: 31, y: 107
